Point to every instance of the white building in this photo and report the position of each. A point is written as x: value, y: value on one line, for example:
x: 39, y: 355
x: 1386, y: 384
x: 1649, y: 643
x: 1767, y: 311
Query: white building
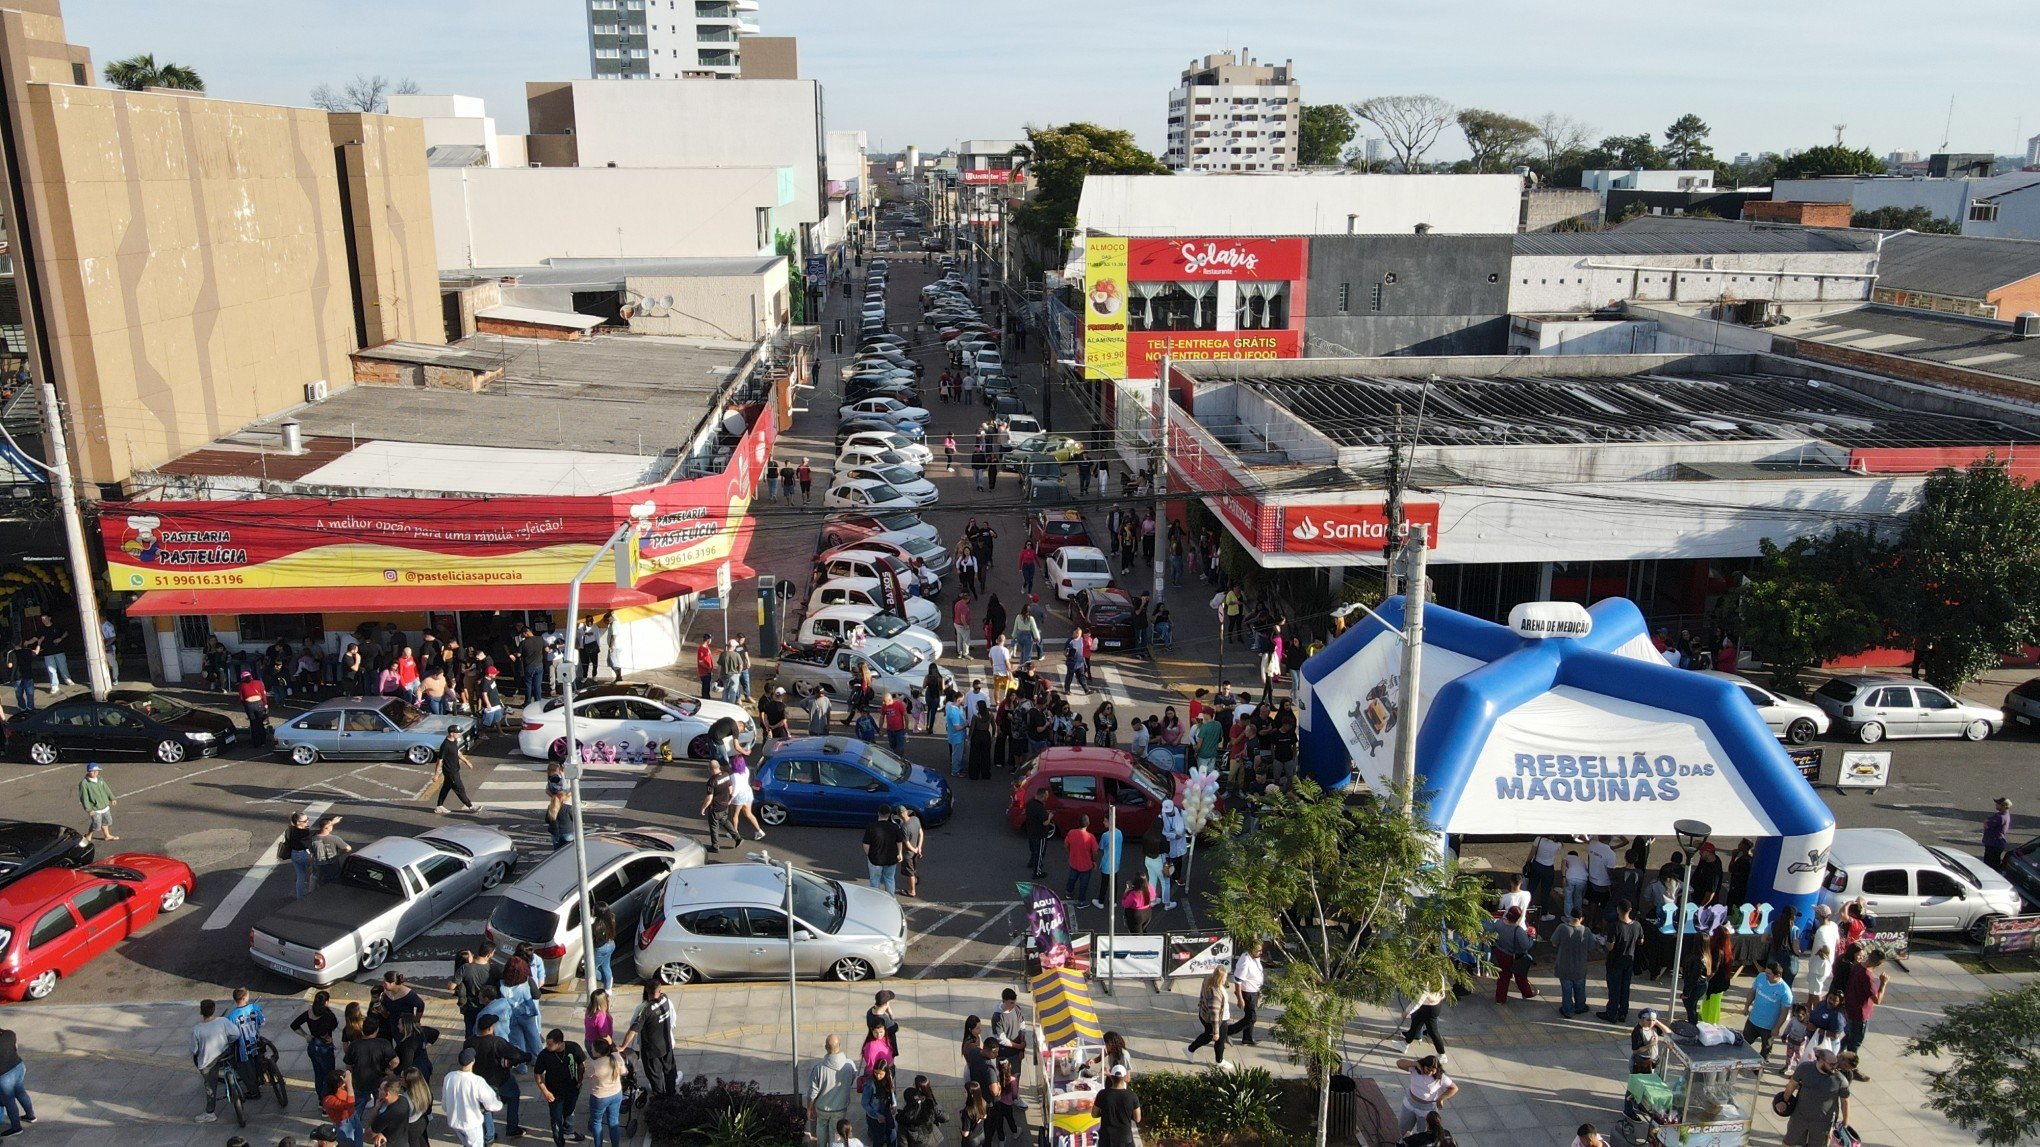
x: 1233, y: 113
x: 1605, y: 179
x: 1299, y: 203
x: 1799, y: 268
x: 1996, y: 206
x: 668, y: 39
x: 843, y: 170
x: 461, y: 125
x: 522, y: 216
x: 2033, y: 151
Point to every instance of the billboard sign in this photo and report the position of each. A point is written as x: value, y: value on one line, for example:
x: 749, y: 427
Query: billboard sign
x: 1347, y: 529
x: 980, y: 176
x: 1251, y: 260
x: 1116, y: 349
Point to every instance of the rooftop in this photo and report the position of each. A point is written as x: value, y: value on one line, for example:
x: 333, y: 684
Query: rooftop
x: 568, y: 272
x: 1693, y: 241
x: 1961, y: 266
x: 1979, y: 344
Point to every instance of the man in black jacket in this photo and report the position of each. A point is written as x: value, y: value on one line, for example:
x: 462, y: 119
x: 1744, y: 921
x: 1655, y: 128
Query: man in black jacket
x: 1037, y: 828
x: 495, y: 1061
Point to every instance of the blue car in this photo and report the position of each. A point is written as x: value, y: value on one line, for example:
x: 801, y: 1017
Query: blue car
x: 842, y: 780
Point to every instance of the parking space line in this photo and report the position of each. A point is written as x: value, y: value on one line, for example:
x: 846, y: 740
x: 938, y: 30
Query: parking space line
x: 176, y: 780
x: 231, y: 905
x: 980, y: 930
x: 989, y: 966
x: 931, y: 929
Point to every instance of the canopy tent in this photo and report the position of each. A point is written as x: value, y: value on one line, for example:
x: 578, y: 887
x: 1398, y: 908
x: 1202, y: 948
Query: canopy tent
x: 1564, y: 735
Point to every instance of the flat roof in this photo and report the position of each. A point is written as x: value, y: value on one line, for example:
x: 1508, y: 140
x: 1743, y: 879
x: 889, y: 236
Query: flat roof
x: 539, y: 318
x: 1705, y: 241
x: 1653, y: 407
x: 566, y: 272
x: 1962, y: 266
x: 1954, y: 340
x: 488, y: 469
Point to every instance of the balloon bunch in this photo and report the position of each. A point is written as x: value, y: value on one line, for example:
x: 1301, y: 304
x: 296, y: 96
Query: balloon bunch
x: 1200, y: 798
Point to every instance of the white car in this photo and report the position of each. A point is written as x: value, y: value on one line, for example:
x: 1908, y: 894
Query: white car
x: 1793, y: 721
x: 888, y: 408
x: 843, y: 624
x: 1019, y: 428
x: 989, y: 362
x: 858, y: 560
x: 1941, y: 889
x: 906, y: 481
x: 1075, y: 568
x: 867, y: 494
x: 913, y: 452
x: 872, y: 454
x: 630, y: 725
x: 865, y: 591
x: 936, y: 556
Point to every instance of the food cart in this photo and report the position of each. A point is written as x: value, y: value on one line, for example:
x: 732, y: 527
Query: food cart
x: 1067, y: 1038
x: 1699, y: 1096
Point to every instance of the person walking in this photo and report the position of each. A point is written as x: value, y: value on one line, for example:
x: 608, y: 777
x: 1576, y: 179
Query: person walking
x: 1997, y: 833
x: 830, y: 1082
x: 959, y: 618
x: 1423, y: 1018
x: 451, y: 761
x: 1117, y: 1109
x: 1247, y: 976
x: 1081, y: 850
x: 55, y: 642
x: 602, y: 1076
x: 1572, y: 942
x: 1214, y: 1010
x: 557, y: 1070
x: 1428, y: 1090
x: 14, y: 1085
x: 1862, y: 991
x: 21, y: 663
x: 719, y: 806
x: 913, y: 842
x: 651, y: 1032
x: 806, y: 475
x: 883, y: 845
x: 97, y: 799
x: 1821, y: 1092
x: 1625, y: 939
x: 468, y: 1102
x: 1511, y: 950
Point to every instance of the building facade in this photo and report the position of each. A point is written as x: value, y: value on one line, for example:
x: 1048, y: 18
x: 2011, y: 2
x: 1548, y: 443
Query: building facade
x: 668, y: 39
x: 1993, y: 206
x: 1234, y: 113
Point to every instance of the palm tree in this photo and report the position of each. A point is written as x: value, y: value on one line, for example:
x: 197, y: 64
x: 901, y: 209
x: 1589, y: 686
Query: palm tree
x: 138, y: 72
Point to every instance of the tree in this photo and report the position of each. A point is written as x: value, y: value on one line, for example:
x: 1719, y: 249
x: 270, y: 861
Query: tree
x: 1560, y: 136
x: 1686, y: 143
x: 1993, y: 1087
x: 1811, y: 602
x: 1326, y: 130
x: 1905, y: 219
x: 1962, y: 588
x: 1360, y: 903
x: 1623, y: 152
x: 785, y: 244
x: 1496, y: 140
x: 138, y: 72
x: 362, y: 94
x: 1830, y: 159
x: 1062, y: 157
x: 1758, y: 172
x: 1410, y: 124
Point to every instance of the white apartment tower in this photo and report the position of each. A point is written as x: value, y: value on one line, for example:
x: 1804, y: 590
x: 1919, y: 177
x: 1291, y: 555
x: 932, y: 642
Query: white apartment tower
x: 1231, y: 113
x: 668, y: 39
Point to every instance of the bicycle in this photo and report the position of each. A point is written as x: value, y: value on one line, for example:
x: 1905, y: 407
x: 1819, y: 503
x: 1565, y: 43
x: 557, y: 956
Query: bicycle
x: 267, y: 1070
x: 222, y: 1080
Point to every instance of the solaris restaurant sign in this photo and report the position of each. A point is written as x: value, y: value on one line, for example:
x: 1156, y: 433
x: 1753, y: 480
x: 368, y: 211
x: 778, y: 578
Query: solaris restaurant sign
x: 1235, y: 258
x: 1331, y: 529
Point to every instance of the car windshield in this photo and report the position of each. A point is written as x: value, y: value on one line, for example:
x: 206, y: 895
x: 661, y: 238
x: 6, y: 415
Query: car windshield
x: 401, y: 715
x: 919, y: 547
x: 891, y: 659
x: 817, y: 901
x: 880, y: 760
x: 1156, y: 783
x: 1953, y: 868
x: 1087, y: 566
x: 897, y: 475
x: 883, y: 625
x: 880, y: 492
x: 899, y: 521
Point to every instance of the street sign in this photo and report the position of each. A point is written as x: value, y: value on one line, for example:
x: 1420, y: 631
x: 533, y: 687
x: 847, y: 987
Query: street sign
x: 817, y: 267
x: 722, y: 581
x: 1865, y: 769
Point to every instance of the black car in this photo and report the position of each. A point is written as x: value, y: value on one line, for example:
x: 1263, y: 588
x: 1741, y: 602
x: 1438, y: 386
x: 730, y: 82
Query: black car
x: 2022, y: 868
x: 131, y: 722
x: 26, y: 846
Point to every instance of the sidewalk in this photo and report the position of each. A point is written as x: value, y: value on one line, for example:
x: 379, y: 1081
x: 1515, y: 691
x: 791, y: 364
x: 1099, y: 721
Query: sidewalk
x: 1527, y: 1078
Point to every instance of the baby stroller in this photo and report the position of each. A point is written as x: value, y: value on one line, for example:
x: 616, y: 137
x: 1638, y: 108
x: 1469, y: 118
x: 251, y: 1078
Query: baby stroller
x: 635, y: 1096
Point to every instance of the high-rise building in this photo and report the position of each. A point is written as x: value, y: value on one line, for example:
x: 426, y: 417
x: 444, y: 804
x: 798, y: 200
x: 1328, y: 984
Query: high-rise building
x: 1231, y: 113
x: 668, y: 39
x: 2033, y: 151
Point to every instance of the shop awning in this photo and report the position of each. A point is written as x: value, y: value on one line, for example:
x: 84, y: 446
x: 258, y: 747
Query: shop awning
x: 595, y: 595
x: 1063, y: 1008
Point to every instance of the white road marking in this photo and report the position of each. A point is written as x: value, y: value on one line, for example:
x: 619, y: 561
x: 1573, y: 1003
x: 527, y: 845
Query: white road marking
x: 980, y: 930
x: 992, y: 965
x: 175, y: 780
x: 931, y: 929
x: 533, y: 806
x: 252, y: 879
x: 539, y: 786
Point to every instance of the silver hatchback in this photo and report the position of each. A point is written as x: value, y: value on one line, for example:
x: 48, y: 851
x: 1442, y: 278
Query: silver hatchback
x: 728, y: 921
x: 1874, y: 708
x: 625, y: 868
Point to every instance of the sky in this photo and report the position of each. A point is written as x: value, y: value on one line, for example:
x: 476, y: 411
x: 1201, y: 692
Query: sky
x: 933, y: 72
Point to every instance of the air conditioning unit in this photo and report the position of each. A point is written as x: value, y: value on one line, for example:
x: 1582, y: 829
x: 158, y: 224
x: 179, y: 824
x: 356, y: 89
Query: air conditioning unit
x: 317, y: 391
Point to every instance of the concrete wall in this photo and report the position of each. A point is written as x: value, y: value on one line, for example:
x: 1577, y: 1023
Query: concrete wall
x: 1547, y: 207
x: 1449, y: 295
x: 769, y: 58
x: 1947, y: 198
x: 511, y: 217
x: 451, y: 120
x: 742, y: 308
x: 1557, y: 284
x: 389, y: 206
x: 2018, y: 218
x: 1299, y: 204
x: 1580, y: 336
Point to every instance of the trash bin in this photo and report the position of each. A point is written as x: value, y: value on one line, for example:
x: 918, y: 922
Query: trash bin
x: 1343, y: 1121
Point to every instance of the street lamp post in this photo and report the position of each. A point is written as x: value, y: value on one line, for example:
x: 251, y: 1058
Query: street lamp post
x: 1691, y: 833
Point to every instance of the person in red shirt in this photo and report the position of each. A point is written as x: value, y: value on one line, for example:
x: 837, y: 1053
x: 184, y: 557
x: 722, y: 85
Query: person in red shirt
x: 1198, y: 707
x: 807, y: 481
x: 1083, y: 856
x: 407, y: 674
x: 1861, y: 994
x: 1029, y: 557
x: 704, y: 663
x: 255, y: 703
x: 894, y: 714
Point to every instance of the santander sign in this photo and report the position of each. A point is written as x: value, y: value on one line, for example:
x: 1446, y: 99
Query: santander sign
x: 1349, y: 529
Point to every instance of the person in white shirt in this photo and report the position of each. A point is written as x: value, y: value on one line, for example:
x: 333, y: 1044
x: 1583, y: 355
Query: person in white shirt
x: 466, y: 1099
x: 1600, y: 870
x: 975, y: 698
x: 1002, y: 667
x: 1543, y: 875
x: 1247, y: 977
x: 1575, y: 882
x: 1516, y: 897
x: 1822, y: 947
x: 1429, y: 1089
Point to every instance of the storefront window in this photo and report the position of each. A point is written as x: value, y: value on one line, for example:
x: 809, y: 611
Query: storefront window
x: 1261, y: 306
x: 263, y: 628
x: 192, y: 631
x: 1174, y: 307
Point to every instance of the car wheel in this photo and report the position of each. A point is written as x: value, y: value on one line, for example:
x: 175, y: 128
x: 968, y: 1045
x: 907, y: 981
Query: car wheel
x: 303, y: 755
x: 45, y: 983
x: 170, y: 751
x: 1976, y: 731
x: 1871, y: 732
x: 43, y: 752
x: 1979, y: 929
x: 173, y: 898
x: 1799, y: 732
x: 419, y: 754
x: 377, y: 955
x: 773, y: 813
x: 850, y: 969
x: 701, y: 748
x: 496, y: 873
x: 676, y: 974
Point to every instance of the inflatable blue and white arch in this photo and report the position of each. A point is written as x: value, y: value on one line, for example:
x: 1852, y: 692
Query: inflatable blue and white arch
x: 1579, y: 734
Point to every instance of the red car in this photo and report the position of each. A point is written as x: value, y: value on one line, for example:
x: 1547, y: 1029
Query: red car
x: 1077, y: 781
x: 1052, y: 531
x: 56, y: 920
x: 1106, y: 613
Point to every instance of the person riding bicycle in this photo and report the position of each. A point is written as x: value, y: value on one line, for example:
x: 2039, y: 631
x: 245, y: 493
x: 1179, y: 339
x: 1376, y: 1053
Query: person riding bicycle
x: 213, y: 1041
x: 247, y: 1017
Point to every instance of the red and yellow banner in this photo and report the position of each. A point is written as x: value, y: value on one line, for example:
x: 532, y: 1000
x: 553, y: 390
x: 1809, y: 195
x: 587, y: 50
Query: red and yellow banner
x: 1115, y: 346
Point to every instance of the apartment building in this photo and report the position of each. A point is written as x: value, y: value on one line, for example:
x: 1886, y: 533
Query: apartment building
x: 1233, y: 113
x: 668, y: 39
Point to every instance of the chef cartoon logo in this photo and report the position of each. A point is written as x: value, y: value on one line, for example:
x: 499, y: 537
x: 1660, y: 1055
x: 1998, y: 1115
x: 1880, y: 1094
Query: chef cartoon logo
x: 139, y: 540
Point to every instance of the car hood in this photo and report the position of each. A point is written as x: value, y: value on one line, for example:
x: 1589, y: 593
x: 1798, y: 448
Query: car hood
x: 439, y: 723
x: 200, y: 721
x: 869, y: 912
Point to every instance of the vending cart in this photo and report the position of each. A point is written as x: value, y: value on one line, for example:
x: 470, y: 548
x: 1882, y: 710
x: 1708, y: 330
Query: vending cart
x: 1699, y: 1096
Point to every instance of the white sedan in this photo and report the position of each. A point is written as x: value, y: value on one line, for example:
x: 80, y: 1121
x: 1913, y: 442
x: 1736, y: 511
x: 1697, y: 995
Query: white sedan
x: 855, y: 625
x: 1791, y: 720
x: 891, y: 409
x: 867, y: 591
x: 871, y: 454
x: 849, y: 493
x: 906, y: 481
x: 629, y: 727
x: 1072, y: 569
x: 915, y: 453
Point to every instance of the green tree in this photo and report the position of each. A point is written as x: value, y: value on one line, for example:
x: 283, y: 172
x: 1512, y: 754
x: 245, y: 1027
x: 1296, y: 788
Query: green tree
x: 138, y: 72
x: 1993, y: 1087
x: 1325, y: 131
x: 1497, y: 141
x: 1905, y: 219
x: 1623, y: 152
x: 785, y: 244
x: 1811, y: 601
x: 1756, y: 173
x: 1686, y: 143
x: 1830, y: 159
x: 1361, y: 905
x: 1962, y: 589
x: 1062, y: 157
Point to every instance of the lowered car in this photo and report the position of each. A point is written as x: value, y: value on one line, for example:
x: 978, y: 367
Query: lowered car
x: 1045, y: 447
x: 632, y: 727
x: 870, y: 591
x: 915, y: 453
x: 728, y: 922
x: 543, y: 909
x: 859, y: 560
x: 895, y: 668
x: 933, y: 555
x: 130, y: 722
x: 842, y: 780
x: 848, y: 624
x: 1873, y: 708
x: 2022, y: 704
x: 906, y: 481
x: 1051, y: 530
x: 54, y: 921
x: 872, y: 454
x: 1105, y: 613
x: 1941, y: 889
x: 854, y: 493
x: 1071, y: 569
x: 911, y: 431
x: 887, y: 408
x: 27, y: 845
x: 368, y: 729
x: 1793, y: 721
x: 841, y: 528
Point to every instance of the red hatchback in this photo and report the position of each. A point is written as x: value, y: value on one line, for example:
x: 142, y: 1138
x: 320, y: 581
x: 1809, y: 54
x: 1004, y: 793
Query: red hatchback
x: 56, y: 920
x: 1076, y: 781
x: 1053, y: 531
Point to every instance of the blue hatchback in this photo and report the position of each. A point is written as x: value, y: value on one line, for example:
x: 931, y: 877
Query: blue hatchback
x: 842, y: 780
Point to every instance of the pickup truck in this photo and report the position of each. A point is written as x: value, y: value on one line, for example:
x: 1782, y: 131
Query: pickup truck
x: 387, y: 894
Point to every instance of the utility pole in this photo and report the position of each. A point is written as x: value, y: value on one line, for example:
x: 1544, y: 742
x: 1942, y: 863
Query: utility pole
x: 83, y: 585
x: 1417, y: 558
x: 1158, y: 474
x: 1391, y: 543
